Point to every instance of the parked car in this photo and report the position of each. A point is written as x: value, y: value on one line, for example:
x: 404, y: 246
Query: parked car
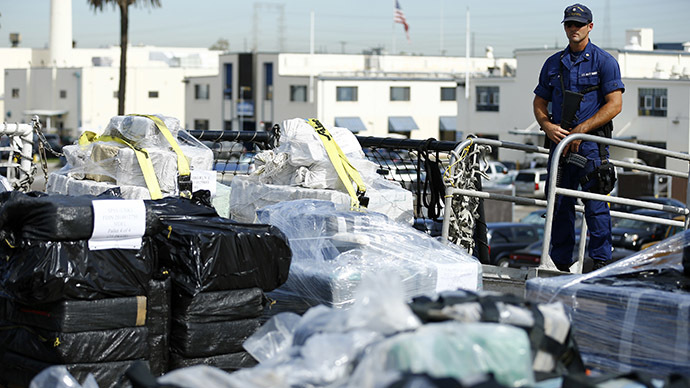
x: 530, y: 256
x: 632, y: 234
x: 538, y: 217
x: 495, y: 170
x: 506, y: 237
x: 661, y: 200
x: 531, y: 183
x: 670, y: 231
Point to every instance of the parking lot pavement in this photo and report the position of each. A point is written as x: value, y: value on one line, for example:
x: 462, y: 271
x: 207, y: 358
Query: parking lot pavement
x: 39, y: 183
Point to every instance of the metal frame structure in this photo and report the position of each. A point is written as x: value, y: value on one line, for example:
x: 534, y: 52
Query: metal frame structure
x: 549, y: 203
x: 20, y: 175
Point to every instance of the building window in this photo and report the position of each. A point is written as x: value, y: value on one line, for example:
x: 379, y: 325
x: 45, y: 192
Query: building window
x: 227, y: 91
x: 201, y: 91
x: 63, y: 93
x: 487, y: 98
x: 448, y: 94
x: 201, y: 124
x: 268, y: 81
x: 298, y: 93
x: 153, y: 94
x: 15, y: 93
x: 346, y: 93
x: 652, y: 102
x: 400, y: 93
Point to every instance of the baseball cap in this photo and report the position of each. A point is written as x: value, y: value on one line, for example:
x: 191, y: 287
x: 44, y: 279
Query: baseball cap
x: 577, y: 13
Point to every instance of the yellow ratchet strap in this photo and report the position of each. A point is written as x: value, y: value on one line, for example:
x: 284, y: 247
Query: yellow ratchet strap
x: 345, y: 170
x: 184, y: 180
x: 143, y: 158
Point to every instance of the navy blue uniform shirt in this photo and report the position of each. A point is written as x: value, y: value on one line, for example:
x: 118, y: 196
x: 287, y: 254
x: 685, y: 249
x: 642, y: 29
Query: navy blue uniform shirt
x: 593, y: 66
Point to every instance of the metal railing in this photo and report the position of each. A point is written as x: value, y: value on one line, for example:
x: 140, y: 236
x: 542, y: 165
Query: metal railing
x: 549, y: 202
x: 17, y: 154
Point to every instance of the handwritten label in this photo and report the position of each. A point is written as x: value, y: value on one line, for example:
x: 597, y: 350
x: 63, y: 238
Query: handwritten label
x: 451, y: 276
x: 204, y: 180
x: 118, y: 224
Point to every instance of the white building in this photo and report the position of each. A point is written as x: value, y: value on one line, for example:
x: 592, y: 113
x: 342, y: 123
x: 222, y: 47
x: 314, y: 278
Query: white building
x: 656, y: 101
x: 372, y: 94
x: 76, y: 89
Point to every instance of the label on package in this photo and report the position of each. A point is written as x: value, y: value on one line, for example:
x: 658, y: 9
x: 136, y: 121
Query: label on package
x: 118, y: 224
x: 204, y: 180
x: 451, y: 276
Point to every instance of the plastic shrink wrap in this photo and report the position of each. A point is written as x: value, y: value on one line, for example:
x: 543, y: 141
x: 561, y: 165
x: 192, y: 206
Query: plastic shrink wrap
x: 300, y: 168
x: 17, y: 370
x: 59, y: 217
x: 631, y: 315
x: 333, y: 250
x: 213, y: 253
x: 109, y: 160
x: 39, y: 272
x: 375, y: 342
x: 546, y: 325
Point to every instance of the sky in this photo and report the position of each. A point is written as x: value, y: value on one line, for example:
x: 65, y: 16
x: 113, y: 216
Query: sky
x: 437, y: 27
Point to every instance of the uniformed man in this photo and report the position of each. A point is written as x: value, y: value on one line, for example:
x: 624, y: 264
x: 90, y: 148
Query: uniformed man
x: 584, y: 68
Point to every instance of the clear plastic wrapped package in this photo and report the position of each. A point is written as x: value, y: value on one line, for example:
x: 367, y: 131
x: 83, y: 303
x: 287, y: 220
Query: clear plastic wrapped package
x: 300, y: 168
x: 632, y: 315
x: 334, y: 250
x: 110, y: 160
x: 375, y: 342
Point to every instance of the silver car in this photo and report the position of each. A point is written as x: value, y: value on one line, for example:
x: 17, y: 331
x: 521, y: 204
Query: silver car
x: 531, y: 183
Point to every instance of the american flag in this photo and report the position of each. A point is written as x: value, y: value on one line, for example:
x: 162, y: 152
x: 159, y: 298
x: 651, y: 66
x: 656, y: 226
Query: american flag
x: 399, y: 17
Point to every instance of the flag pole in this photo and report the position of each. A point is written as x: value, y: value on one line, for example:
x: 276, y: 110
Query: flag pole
x: 393, y: 31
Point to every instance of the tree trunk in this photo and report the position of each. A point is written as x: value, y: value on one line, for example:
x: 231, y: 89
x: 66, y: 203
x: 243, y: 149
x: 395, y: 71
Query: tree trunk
x: 124, y: 24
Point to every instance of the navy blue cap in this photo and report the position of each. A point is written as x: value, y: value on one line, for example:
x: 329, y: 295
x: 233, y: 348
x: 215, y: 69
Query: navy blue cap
x: 577, y: 13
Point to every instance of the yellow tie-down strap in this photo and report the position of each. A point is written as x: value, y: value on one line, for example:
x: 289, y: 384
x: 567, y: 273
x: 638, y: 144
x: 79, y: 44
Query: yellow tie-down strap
x: 184, y: 181
x: 143, y: 158
x: 347, y: 173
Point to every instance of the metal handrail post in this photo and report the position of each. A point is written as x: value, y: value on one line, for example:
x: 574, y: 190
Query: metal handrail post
x: 553, y: 190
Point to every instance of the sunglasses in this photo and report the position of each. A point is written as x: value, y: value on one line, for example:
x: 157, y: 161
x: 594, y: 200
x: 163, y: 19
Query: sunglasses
x: 576, y: 24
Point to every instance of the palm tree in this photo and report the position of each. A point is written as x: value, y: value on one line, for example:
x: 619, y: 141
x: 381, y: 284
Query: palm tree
x: 123, y: 5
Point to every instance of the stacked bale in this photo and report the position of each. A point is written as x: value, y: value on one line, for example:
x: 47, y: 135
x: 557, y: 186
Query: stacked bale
x: 64, y: 303
x: 220, y: 270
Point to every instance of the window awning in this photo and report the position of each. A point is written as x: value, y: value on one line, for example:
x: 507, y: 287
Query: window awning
x: 354, y: 123
x: 45, y: 112
x: 401, y: 124
x: 448, y: 123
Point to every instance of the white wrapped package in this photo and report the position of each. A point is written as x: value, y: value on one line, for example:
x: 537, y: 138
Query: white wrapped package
x: 63, y: 184
x: 164, y: 165
x: 303, y: 144
x: 248, y: 194
x: 141, y: 131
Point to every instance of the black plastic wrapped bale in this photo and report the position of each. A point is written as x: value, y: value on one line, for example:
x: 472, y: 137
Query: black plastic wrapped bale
x: 228, y: 362
x: 194, y: 340
x: 214, y: 254
x: 41, y: 272
x: 18, y: 370
x: 85, y: 347
x: 158, y: 323
x: 55, y: 217
x: 219, y: 306
x: 71, y: 316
